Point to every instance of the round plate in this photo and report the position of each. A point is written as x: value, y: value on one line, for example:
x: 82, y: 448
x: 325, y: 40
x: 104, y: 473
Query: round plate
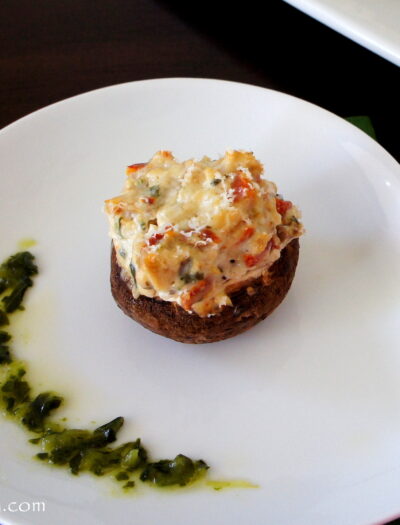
x: 306, y: 404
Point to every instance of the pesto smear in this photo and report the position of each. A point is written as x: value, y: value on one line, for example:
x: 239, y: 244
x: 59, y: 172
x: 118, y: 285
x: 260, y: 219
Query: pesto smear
x: 78, y: 450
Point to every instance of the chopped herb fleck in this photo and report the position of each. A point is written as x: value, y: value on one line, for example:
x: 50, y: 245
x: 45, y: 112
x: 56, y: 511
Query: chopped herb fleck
x: 15, y: 273
x: 110, y: 430
x: 3, y: 285
x: 122, y: 476
x: 3, y: 318
x: 4, y: 337
x: 15, y: 391
x: 192, y: 277
x: 179, y: 471
x: 17, y: 267
x: 154, y: 191
x: 5, y: 356
x: 215, y: 182
x: 38, y: 410
x: 185, y: 266
x: 133, y: 272
x: 14, y: 300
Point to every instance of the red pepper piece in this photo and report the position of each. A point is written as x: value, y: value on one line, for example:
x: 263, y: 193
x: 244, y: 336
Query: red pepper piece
x: 282, y: 206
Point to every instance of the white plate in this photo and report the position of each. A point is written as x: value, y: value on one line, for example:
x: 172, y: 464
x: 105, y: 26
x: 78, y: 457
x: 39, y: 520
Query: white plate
x: 306, y: 404
x: 375, y: 24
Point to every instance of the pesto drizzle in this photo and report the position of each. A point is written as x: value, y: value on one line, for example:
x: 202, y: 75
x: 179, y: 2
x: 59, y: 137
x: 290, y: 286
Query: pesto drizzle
x: 78, y: 450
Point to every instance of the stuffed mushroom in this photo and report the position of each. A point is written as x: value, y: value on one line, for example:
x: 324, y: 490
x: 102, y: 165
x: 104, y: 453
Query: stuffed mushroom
x: 201, y: 250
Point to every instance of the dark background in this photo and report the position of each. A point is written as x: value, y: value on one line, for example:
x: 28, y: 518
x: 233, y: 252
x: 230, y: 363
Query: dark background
x: 53, y: 49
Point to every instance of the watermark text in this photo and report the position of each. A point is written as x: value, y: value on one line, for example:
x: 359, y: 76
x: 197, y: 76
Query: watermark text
x: 23, y: 506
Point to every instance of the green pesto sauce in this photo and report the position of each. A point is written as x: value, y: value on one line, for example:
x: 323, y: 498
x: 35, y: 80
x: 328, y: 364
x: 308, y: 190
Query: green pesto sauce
x: 78, y: 450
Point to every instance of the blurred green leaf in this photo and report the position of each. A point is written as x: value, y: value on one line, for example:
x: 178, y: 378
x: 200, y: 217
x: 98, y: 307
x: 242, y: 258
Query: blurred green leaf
x: 364, y: 123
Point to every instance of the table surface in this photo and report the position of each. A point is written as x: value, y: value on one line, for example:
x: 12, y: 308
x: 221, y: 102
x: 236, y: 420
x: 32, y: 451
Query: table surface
x: 51, y: 50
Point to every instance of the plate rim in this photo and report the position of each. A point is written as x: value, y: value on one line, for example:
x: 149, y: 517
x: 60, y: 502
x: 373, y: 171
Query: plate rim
x: 54, y: 105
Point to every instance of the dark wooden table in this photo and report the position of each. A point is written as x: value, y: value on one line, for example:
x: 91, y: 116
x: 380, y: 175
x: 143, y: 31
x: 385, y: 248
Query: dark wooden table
x: 50, y: 50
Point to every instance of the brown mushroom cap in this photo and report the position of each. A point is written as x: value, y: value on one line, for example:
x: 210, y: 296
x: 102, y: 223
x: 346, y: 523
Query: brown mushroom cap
x: 252, y: 303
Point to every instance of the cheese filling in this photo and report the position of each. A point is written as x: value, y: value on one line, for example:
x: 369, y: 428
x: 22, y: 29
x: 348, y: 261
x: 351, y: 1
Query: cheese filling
x: 193, y: 232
